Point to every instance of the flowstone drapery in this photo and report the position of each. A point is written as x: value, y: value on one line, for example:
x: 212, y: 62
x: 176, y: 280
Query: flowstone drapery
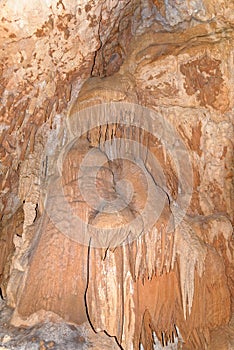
x: 116, y: 168
x: 115, y: 243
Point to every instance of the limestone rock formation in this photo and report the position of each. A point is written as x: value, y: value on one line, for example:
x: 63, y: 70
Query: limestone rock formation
x: 116, y: 168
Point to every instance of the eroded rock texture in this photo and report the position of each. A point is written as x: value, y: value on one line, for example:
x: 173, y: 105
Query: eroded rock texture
x: 116, y: 168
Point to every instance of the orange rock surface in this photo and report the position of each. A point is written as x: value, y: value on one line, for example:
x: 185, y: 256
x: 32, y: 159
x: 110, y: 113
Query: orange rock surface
x: 116, y: 168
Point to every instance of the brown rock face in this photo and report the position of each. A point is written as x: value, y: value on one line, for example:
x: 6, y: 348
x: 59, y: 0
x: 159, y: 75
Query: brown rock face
x: 204, y: 78
x: 116, y: 168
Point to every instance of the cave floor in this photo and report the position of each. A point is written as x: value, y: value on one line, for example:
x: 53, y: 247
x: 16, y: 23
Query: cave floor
x: 61, y: 336
x: 55, y: 336
x: 49, y: 335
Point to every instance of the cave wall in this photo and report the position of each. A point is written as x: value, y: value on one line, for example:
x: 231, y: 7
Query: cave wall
x: 175, y: 60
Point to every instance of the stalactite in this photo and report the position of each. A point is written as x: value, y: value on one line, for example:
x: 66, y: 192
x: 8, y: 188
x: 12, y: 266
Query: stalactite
x: 191, y: 253
x: 120, y: 189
